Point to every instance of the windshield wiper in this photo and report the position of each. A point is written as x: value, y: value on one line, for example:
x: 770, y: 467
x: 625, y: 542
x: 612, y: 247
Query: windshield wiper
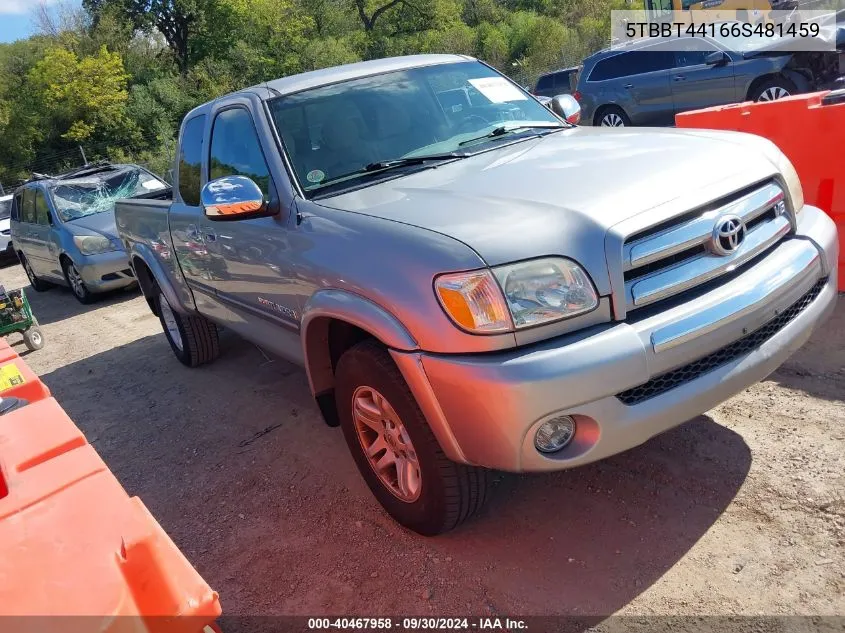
x: 410, y: 160
x: 505, y: 129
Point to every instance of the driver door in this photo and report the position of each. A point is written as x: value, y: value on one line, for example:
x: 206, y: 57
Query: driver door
x: 250, y: 268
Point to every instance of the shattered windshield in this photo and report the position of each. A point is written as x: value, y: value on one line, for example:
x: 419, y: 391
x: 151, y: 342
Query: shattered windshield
x: 96, y: 193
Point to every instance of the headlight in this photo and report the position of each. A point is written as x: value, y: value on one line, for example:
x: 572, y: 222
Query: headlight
x: 546, y: 290
x: 93, y: 244
x: 535, y: 292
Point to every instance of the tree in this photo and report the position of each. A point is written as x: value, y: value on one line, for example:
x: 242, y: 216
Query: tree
x: 81, y: 96
x: 192, y: 28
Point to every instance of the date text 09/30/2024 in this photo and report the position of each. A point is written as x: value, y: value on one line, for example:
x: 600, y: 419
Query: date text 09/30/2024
x: 418, y: 624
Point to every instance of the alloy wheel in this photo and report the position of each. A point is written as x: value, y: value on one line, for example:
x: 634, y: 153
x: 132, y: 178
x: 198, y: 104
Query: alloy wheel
x: 386, y: 444
x: 170, y: 322
x: 611, y: 119
x: 76, y: 283
x: 773, y: 94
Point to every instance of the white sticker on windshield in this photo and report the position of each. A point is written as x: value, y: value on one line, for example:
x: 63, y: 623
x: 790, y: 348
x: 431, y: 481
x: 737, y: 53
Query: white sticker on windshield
x: 498, y: 89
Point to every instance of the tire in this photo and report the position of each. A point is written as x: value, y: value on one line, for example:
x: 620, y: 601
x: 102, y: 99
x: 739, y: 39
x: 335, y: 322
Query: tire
x: 193, y: 338
x: 773, y: 89
x: 33, y: 338
x: 75, y: 283
x: 441, y: 494
x: 39, y: 285
x: 612, y: 116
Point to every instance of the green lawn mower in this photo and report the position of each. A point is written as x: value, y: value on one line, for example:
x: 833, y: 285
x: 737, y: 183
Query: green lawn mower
x: 16, y: 316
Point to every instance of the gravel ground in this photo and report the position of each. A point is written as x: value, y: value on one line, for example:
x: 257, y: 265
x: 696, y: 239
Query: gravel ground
x: 740, y: 511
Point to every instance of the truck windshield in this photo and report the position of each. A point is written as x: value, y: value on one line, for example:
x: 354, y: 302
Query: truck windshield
x: 96, y: 193
x: 334, y: 132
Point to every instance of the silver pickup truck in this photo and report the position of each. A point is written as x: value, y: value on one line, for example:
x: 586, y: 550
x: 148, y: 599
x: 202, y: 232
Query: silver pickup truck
x: 471, y: 282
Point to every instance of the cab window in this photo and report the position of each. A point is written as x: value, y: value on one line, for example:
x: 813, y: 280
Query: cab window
x: 42, y: 211
x: 235, y: 150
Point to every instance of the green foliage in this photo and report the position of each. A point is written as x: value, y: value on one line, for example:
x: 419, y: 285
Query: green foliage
x: 120, y: 75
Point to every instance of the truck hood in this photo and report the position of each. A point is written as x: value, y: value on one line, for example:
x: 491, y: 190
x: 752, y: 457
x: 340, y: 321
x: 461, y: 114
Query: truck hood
x: 561, y: 193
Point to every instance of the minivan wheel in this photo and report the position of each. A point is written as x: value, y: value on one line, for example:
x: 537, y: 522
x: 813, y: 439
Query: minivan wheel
x: 37, y: 284
x: 76, y: 284
x: 395, y: 450
x: 193, y: 338
x: 613, y: 117
x: 773, y: 89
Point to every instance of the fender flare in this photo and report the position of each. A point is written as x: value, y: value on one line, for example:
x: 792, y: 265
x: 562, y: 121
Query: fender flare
x: 326, y: 305
x: 160, y: 276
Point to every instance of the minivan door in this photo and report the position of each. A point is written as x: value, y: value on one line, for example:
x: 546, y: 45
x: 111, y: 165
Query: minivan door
x: 24, y: 230
x: 44, y: 242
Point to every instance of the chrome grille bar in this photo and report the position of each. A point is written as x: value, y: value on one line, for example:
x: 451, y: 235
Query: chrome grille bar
x: 682, y: 256
x: 697, y: 231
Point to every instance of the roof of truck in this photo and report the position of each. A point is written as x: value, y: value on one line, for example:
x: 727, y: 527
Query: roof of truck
x: 315, y: 78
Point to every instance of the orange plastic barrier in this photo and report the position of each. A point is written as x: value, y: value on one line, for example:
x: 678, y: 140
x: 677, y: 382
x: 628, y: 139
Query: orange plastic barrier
x: 7, y: 352
x: 810, y: 130
x: 18, y: 380
x: 72, y: 543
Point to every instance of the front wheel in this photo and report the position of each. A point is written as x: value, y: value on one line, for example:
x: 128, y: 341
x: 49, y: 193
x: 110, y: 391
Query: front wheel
x: 193, y: 338
x: 76, y: 283
x: 33, y: 338
x: 395, y: 449
x: 773, y: 89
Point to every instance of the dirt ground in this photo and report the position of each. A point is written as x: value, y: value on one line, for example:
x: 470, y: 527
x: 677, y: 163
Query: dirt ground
x: 740, y: 511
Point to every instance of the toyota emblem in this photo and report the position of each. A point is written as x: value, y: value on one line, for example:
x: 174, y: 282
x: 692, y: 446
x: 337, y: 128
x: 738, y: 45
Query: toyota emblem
x: 728, y: 234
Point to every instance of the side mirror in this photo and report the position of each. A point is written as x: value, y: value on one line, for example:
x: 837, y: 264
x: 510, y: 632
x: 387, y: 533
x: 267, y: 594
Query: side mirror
x: 233, y: 198
x: 717, y: 58
x: 567, y: 108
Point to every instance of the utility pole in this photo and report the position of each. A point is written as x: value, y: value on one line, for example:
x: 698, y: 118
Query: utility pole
x: 84, y: 160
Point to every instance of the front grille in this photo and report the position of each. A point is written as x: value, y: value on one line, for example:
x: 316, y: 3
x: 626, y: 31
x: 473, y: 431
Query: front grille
x: 678, y: 256
x: 671, y: 379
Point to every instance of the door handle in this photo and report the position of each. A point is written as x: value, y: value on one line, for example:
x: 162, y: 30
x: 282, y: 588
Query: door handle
x: 679, y: 78
x: 628, y: 86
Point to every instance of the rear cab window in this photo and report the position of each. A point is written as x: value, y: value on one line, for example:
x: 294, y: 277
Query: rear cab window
x: 190, y: 161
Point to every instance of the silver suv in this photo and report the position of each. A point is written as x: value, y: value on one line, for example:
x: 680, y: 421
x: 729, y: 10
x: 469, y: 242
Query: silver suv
x: 647, y: 82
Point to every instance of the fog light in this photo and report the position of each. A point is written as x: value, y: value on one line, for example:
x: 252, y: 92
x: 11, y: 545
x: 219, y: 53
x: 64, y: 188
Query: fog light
x: 554, y: 434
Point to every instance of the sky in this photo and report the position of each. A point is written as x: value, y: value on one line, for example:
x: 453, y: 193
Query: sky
x: 16, y: 17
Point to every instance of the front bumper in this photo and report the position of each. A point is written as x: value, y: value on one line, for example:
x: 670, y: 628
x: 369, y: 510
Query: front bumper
x: 485, y: 408
x: 105, y: 271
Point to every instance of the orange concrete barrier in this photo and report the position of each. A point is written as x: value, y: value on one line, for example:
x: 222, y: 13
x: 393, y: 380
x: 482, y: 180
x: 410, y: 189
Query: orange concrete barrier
x: 809, y: 129
x: 72, y: 543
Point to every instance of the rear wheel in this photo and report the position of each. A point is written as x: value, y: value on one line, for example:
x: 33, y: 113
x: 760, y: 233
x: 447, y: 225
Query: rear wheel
x: 395, y: 449
x: 193, y: 338
x: 612, y: 116
x: 37, y: 284
x: 76, y: 283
